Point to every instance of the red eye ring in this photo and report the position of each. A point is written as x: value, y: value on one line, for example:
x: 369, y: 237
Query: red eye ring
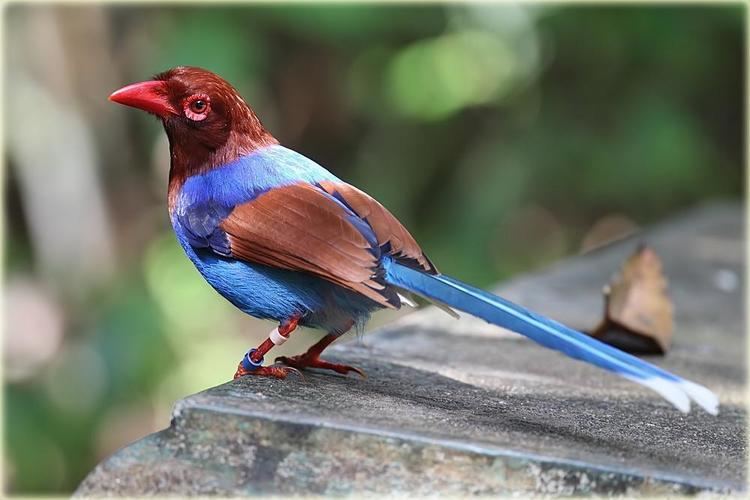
x: 197, y: 106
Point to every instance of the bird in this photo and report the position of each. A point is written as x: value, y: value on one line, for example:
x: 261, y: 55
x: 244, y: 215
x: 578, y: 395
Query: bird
x: 284, y: 239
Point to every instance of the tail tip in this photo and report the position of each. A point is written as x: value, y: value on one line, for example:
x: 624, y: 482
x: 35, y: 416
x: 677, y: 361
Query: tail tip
x: 669, y: 390
x: 680, y: 393
x: 705, y: 398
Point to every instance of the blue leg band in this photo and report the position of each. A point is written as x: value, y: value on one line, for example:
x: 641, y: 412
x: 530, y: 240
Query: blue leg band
x: 248, y: 364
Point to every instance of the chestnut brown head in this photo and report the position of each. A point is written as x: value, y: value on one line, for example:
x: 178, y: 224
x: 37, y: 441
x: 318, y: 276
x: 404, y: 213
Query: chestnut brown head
x: 207, y: 121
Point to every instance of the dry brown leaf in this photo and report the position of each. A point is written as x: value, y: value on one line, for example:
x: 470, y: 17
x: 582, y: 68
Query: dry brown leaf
x: 637, y: 308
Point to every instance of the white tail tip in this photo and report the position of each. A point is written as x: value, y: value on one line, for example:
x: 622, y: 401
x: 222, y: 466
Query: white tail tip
x: 679, y: 393
x: 671, y: 391
x: 703, y: 396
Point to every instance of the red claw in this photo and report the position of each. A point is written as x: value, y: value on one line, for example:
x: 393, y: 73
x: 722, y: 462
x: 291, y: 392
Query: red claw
x: 307, y: 361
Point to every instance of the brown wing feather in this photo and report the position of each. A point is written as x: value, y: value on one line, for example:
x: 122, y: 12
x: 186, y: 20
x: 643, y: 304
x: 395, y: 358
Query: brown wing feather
x: 301, y: 228
x: 385, y: 226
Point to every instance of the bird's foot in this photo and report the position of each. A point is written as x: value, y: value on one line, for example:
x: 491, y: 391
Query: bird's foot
x: 267, y: 371
x: 303, y: 361
x: 251, y: 366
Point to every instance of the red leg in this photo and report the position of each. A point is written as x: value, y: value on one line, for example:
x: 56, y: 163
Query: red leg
x: 311, y: 359
x: 252, y: 362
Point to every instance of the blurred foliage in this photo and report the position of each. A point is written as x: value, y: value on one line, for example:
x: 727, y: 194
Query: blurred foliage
x: 501, y: 135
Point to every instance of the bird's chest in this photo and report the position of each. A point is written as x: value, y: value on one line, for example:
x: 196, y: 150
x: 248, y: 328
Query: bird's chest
x: 257, y: 290
x: 206, y: 245
x: 196, y: 213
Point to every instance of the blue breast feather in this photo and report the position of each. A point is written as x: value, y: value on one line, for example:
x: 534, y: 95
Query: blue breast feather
x: 261, y: 291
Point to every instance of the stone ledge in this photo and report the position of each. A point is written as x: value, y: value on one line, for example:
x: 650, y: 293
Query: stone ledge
x: 499, y: 415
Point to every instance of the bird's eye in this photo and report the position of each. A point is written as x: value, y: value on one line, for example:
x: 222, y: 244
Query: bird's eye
x: 197, y: 107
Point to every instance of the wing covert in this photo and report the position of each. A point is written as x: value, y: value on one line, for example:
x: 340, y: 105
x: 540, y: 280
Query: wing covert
x: 391, y: 235
x: 303, y: 228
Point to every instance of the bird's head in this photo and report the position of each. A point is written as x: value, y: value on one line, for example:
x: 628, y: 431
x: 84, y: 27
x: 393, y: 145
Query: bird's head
x: 207, y: 121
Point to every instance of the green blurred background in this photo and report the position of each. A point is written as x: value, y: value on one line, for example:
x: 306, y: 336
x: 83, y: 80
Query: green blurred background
x: 505, y: 137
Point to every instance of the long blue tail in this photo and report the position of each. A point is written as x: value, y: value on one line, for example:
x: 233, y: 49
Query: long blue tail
x: 550, y: 334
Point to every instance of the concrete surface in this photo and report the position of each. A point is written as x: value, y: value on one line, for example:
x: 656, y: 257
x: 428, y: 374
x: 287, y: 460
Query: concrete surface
x: 462, y: 407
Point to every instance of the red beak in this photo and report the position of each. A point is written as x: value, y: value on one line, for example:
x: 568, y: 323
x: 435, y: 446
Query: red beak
x: 150, y: 96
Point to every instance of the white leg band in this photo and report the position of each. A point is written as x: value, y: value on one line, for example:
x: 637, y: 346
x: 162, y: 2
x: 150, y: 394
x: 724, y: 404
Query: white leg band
x: 276, y: 337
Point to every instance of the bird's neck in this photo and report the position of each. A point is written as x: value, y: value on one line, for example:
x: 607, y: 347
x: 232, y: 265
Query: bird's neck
x: 189, y: 158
